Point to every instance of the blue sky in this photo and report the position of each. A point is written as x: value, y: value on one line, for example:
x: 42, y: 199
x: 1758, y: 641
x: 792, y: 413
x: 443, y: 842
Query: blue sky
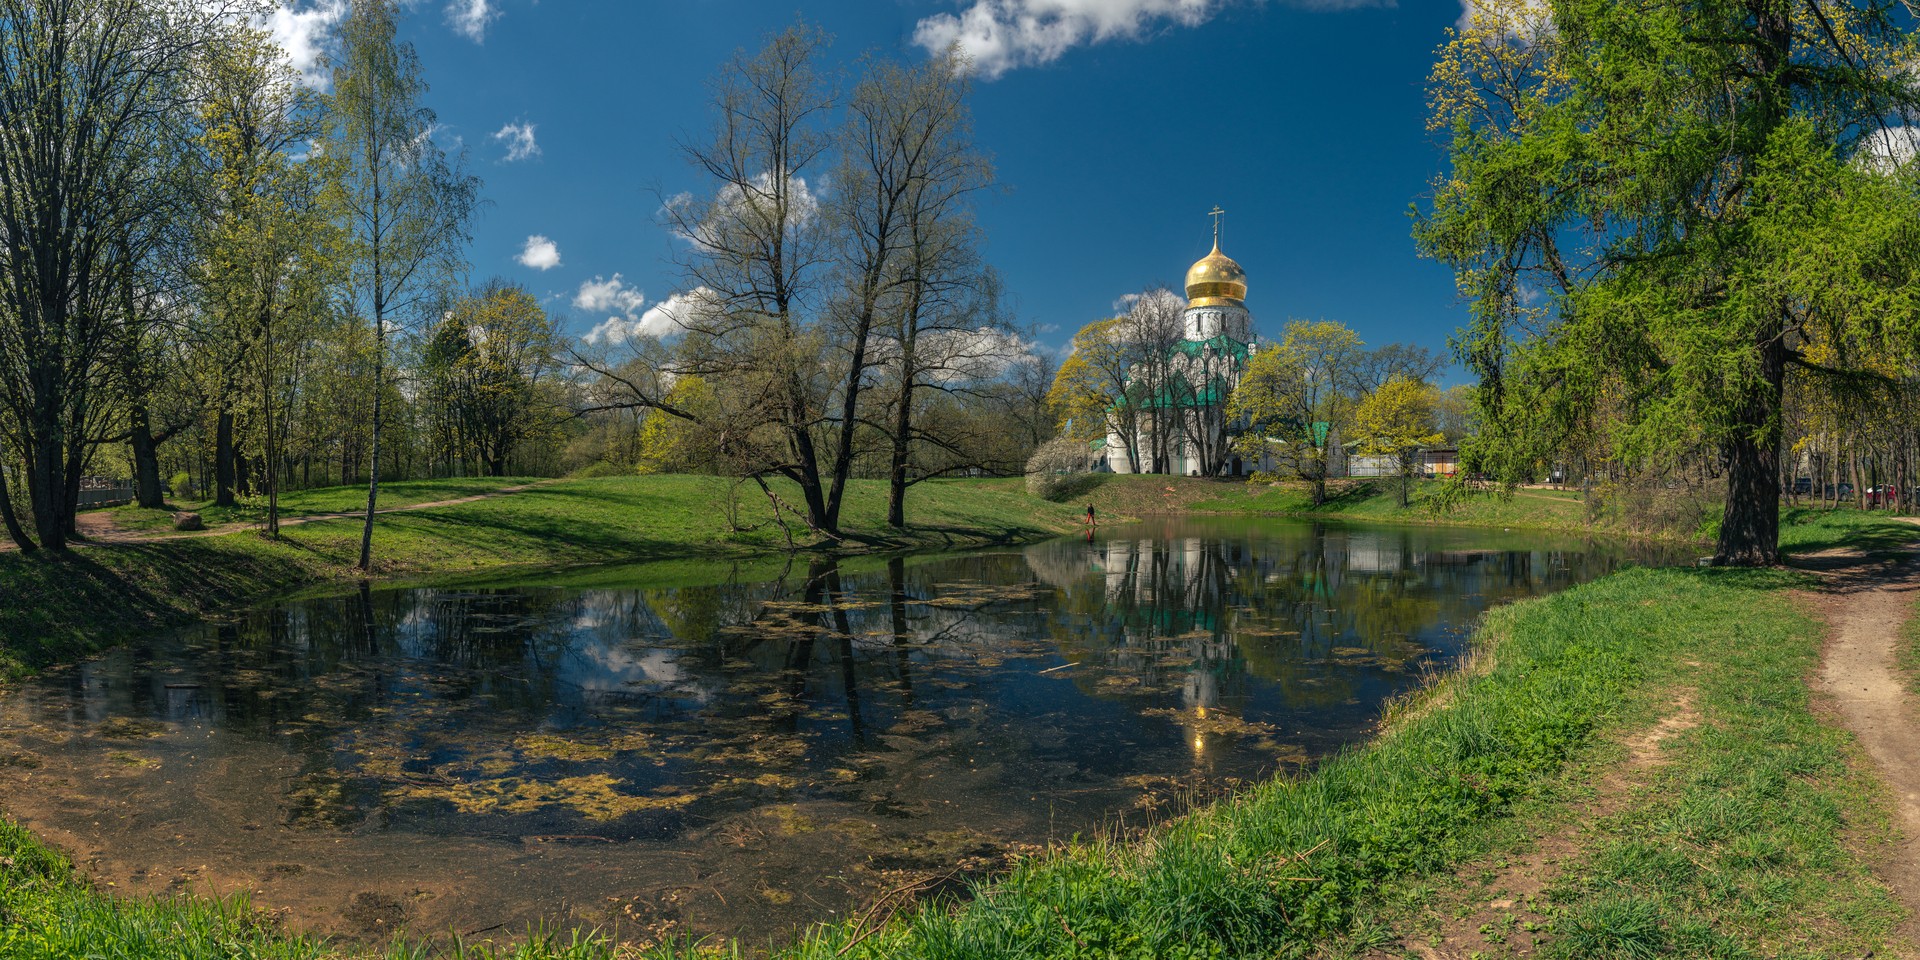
x: 1115, y: 125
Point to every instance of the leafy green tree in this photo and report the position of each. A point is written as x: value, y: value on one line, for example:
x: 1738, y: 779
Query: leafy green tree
x: 1396, y: 420
x: 1657, y: 208
x: 487, y: 361
x: 1295, y: 399
x: 271, y: 253
x: 670, y: 444
x: 406, y: 208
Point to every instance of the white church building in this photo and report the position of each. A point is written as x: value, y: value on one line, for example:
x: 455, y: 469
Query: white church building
x: 1218, y: 338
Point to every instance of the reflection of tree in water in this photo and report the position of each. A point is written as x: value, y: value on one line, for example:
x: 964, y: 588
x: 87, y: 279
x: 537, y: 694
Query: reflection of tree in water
x: 832, y: 679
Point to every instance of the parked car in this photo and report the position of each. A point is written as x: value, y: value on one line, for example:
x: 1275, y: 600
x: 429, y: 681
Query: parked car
x: 1883, y: 496
x: 1803, y: 487
x: 1842, y: 492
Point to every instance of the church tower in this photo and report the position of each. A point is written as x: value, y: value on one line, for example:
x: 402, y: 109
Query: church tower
x: 1217, y: 295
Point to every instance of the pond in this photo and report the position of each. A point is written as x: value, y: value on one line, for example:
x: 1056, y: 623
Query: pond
x: 738, y: 750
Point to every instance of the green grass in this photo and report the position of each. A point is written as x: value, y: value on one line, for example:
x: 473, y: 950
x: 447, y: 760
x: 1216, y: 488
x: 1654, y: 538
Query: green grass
x: 1744, y: 846
x: 1428, y: 502
x: 1372, y: 501
x: 1744, y: 839
x: 1810, y: 530
x: 101, y: 595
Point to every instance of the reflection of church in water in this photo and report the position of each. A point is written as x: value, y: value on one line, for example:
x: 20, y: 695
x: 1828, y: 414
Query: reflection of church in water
x: 1221, y: 612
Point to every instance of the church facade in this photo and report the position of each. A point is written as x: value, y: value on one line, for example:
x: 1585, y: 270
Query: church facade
x: 1201, y: 373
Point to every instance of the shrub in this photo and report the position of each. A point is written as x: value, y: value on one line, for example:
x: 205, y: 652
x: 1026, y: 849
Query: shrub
x: 1057, y: 469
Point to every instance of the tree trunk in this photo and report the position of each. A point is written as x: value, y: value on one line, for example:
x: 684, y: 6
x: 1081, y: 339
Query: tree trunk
x: 807, y: 469
x: 897, y: 465
x: 223, y: 457
x: 1859, y: 490
x: 46, y: 462
x: 146, y: 459
x: 14, y: 530
x: 1750, y: 526
x: 373, y: 461
x: 76, y: 466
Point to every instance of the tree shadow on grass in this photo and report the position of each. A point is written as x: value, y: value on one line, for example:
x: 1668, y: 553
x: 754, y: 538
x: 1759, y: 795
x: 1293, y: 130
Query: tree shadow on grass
x: 1078, y: 486
x: 68, y: 605
x: 564, y: 539
x: 1805, y: 530
x: 1350, y: 496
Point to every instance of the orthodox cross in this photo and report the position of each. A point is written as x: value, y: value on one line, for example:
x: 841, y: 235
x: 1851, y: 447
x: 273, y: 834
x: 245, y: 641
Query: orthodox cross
x: 1216, y: 213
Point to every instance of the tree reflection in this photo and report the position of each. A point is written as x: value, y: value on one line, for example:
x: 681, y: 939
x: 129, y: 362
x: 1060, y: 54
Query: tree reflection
x: 1071, y: 662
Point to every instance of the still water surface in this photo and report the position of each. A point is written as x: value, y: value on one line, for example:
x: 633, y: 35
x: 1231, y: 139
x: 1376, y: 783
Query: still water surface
x: 758, y: 750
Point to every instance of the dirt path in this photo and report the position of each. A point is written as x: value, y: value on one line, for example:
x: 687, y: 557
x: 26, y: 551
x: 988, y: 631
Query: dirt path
x: 1505, y: 915
x: 97, y: 527
x: 1865, y: 603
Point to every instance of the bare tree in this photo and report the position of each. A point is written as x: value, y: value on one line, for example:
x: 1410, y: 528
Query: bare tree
x: 756, y: 264
x: 913, y: 175
x: 1373, y: 368
x: 1154, y: 326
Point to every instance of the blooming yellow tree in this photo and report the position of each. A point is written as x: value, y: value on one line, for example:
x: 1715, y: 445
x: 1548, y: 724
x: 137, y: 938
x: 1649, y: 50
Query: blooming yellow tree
x: 1396, y: 421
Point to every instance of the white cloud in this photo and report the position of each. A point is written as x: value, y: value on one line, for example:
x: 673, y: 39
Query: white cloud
x: 1888, y: 148
x: 305, y: 30
x: 1524, y: 21
x: 519, y: 140
x: 663, y: 319
x: 602, y: 294
x: 540, y: 254
x: 1000, y: 35
x: 470, y: 18
x: 675, y: 312
x: 736, y: 205
x: 957, y: 356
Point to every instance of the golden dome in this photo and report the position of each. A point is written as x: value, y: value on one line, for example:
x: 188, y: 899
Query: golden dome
x: 1216, y: 280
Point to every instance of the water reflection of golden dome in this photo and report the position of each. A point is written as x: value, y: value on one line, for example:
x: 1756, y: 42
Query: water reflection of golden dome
x: 1216, y: 280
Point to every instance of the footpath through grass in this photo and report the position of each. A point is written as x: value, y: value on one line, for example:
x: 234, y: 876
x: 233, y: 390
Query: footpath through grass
x: 56, y: 609
x: 1745, y: 845
x: 310, y: 503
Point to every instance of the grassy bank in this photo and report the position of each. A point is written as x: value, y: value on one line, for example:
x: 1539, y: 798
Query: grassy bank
x: 1372, y: 501
x: 1741, y: 838
x: 60, y: 608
